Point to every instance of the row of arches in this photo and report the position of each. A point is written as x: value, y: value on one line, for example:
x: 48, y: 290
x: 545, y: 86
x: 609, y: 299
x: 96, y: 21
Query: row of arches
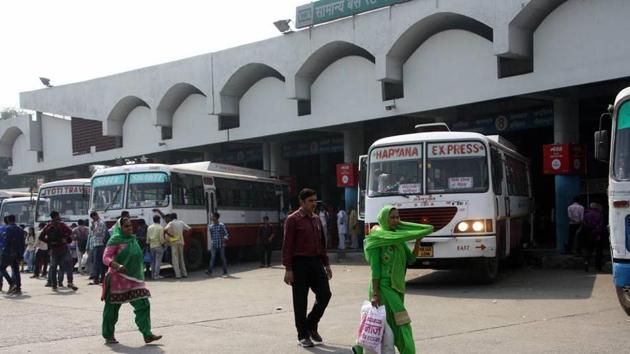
x: 514, y: 57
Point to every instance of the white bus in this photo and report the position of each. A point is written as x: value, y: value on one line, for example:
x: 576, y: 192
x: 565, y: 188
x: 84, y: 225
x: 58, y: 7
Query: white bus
x: 71, y: 198
x: 11, y: 193
x: 193, y: 191
x: 618, y: 192
x: 474, y: 189
x: 22, y: 207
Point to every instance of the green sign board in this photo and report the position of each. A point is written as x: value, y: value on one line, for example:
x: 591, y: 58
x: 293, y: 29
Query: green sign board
x: 623, y: 117
x: 148, y: 177
x: 328, y: 10
x: 105, y: 181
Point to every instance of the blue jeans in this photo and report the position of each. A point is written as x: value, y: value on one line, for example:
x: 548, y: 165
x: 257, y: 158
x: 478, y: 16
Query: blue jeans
x: 29, y: 258
x: 98, y: 269
x: 59, y: 261
x: 213, y: 258
x: 156, y: 261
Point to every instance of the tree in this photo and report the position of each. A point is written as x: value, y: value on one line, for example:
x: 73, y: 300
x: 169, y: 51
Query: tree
x: 10, y: 112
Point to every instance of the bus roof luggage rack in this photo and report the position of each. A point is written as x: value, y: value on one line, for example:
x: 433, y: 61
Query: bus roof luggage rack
x: 432, y: 127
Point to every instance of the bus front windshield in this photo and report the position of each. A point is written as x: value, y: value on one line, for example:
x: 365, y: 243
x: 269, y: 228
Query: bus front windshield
x: 395, y: 170
x: 107, y: 192
x: 148, y: 190
x: 72, y: 202
x: 621, y: 164
x: 23, y: 211
x: 457, y: 167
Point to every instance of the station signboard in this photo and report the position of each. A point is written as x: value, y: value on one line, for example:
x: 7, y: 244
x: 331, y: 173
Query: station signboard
x: 346, y: 175
x: 329, y: 10
x: 564, y: 159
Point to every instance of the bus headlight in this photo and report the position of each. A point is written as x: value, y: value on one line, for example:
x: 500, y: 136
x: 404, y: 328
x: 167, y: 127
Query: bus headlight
x: 473, y: 226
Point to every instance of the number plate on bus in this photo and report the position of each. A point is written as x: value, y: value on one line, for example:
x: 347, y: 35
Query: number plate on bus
x: 425, y: 251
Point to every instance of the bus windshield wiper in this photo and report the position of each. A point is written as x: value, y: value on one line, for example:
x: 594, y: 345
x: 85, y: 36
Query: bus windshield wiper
x: 391, y: 194
x: 113, y: 200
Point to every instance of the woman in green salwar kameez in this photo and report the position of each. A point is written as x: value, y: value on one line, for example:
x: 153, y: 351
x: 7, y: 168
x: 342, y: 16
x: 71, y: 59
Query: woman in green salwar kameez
x: 388, y: 254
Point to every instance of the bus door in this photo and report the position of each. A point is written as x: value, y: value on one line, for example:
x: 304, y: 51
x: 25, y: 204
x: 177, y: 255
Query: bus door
x: 501, y: 201
x: 210, y: 196
x: 518, y: 202
x: 362, y: 186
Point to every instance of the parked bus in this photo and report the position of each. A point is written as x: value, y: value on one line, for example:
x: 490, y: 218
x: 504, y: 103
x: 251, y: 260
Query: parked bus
x: 71, y: 198
x: 474, y: 189
x: 618, y: 192
x: 22, y: 207
x: 193, y: 191
x: 10, y: 193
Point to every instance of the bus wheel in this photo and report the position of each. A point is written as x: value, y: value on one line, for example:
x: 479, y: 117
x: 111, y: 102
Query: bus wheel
x: 194, y: 255
x: 487, y: 270
x: 623, y: 293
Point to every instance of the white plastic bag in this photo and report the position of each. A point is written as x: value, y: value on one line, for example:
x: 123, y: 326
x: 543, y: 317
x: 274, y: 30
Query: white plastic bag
x: 83, y: 262
x: 372, y: 327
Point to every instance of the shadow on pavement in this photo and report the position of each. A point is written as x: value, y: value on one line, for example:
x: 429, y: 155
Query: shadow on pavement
x: 519, y: 284
x: 149, y: 348
x: 325, y: 348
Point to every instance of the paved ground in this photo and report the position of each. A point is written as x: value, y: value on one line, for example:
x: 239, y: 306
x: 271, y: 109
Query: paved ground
x: 527, y: 311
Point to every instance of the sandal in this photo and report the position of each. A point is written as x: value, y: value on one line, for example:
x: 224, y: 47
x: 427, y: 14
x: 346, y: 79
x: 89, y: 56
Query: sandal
x: 152, y: 338
x: 111, y: 340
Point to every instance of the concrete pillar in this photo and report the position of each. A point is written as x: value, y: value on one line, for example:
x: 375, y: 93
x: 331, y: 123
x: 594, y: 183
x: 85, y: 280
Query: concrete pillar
x: 266, y: 156
x: 353, y: 142
x: 566, y: 130
x: 277, y: 165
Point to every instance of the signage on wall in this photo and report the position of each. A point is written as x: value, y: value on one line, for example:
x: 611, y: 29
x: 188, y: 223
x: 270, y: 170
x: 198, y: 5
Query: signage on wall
x: 346, y: 175
x: 313, y: 147
x: 328, y: 10
x: 564, y: 159
x: 501, y: 123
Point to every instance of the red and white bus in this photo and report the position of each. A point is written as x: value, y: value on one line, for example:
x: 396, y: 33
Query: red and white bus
x: 193, y: 191
x: 474, y: 189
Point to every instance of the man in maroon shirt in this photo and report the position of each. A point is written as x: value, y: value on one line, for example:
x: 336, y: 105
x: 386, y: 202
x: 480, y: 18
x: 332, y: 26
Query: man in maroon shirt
x: 307, y: 266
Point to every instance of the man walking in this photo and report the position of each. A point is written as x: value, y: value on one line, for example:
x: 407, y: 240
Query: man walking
x: 58, y: 236
x: 155, y: 238
x: 174, y: 233
x: 218, y: 237
x: 575, y: 212
x: 265, y: 238
x: 12, y: 255
x: 80, y: 236
x: 342, y: 231
x: 97, y: 244
x: 307, y: 266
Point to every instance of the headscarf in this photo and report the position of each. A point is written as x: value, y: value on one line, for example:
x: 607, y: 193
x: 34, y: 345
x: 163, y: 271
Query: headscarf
x: 382, y: 236
x: 131, y: 256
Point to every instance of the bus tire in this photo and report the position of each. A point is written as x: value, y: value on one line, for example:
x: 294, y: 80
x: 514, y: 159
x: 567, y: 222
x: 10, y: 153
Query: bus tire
x: 487, y: 270
x: 623, y: 294
x: 194, y: 255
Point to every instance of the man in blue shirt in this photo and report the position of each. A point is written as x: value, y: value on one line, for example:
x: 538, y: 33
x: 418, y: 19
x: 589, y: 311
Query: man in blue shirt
x: 12, y: 254
x: 217, y: 237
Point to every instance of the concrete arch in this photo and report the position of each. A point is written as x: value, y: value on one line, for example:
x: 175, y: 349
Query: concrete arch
x: 514, y: 41
x: 319, y: 60
x: 391, y: 67
x: 8, y: 138
x: 171, y: 100
x: 113, y: 125
x: 235, y: 87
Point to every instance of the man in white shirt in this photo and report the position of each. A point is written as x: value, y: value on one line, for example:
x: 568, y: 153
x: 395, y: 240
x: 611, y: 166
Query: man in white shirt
x: 174, y: 233
x: 342, y: 230
x: 576, y: 215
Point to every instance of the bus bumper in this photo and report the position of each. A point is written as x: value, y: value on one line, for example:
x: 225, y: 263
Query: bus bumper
x: 621, y: 274
x: 455, y: 252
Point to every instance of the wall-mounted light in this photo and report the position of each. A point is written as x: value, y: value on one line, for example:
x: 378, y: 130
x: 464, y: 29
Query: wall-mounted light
x: 283, y: 26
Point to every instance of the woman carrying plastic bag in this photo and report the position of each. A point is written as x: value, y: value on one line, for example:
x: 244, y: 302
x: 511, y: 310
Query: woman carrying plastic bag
x: 375, y: 336
x: 388, y: 254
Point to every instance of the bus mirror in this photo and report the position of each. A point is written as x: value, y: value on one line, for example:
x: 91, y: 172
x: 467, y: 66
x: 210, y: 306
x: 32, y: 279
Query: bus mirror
x: 602, y: 145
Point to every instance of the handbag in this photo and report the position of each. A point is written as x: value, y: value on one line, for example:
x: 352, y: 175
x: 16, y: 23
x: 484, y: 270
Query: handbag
x: 147, y: 256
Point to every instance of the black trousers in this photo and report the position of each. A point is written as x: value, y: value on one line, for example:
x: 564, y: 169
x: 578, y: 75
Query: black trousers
x: 265, y: 253
x: 573, y: 244
x: 15, y: 278
x: 309, y: 273
x: 592, y: 243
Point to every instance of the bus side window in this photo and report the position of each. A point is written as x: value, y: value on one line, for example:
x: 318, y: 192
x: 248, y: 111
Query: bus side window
x: 497, y: 171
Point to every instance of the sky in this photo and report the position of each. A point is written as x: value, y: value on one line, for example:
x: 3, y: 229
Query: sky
x: 76, y: 40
